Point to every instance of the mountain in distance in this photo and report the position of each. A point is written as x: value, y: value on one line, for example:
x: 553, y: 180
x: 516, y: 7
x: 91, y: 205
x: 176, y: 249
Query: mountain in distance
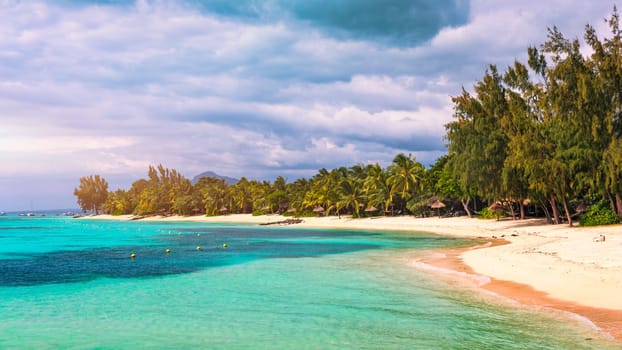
x: 228, y: 180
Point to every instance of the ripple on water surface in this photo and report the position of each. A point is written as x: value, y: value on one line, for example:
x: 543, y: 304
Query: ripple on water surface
x: 270, y: 288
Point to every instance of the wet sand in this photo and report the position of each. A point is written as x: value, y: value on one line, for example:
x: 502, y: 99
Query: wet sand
x: 608, y: 320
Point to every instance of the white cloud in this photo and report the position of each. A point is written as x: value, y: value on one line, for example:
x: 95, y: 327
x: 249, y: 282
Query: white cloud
x: 111, y: 89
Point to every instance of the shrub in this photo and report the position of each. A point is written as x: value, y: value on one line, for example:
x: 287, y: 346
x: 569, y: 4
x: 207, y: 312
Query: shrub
x: 259, y: 212
x: 307, y: 214
x: 599, y: 214
x: 486, y: 214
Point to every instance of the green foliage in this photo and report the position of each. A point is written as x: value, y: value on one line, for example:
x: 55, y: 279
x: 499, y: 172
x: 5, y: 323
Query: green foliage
x: 599, y: 214
x: 478, y: 145
x: 260, y: 212
x: 92, y: 193
x: 341, y: 191
x: 405, y: 177
x: 117, y: 203
x: 278, y: 199
x: 548, y: 129
x: 487, y: 214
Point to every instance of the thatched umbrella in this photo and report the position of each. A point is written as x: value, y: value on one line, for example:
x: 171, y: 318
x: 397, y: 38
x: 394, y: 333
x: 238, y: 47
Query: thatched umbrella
x: 319, y: 209
x: 437, y: 205
x: 223, y: 210
x: 291, y: 210
x: 370, y: 209
x: 497, y: 208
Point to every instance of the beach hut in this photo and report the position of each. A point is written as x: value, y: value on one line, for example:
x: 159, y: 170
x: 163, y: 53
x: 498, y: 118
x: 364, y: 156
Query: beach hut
x: 371, y: 209
x: 223, y: 210
x: 498, y: 208
x: 437, y: 205
x: 319, y: 209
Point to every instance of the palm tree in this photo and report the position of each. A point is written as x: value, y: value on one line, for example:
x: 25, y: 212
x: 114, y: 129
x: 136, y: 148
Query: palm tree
x: 259, y: 192
x: 214, y: 194
x: 296, y: 192
x: 241, y: 196
x: 376, y: 187
x: 351, y: 195
x: 405, y: 176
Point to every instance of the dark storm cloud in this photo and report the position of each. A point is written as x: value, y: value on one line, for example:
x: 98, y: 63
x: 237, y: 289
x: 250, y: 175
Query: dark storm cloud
x: 396, y: 22
x: 254, y: 88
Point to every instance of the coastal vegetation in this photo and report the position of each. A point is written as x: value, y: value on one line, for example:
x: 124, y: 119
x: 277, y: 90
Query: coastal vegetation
x: 547, y: 131
x: 92, y: 192
x: 545, y: 134
x: 358, y: 190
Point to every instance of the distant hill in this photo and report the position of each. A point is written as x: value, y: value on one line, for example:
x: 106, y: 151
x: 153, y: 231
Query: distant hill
x: 228, y: 180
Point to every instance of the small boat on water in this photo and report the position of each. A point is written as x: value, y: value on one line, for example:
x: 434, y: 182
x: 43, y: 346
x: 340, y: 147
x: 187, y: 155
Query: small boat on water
x: 2, y: 213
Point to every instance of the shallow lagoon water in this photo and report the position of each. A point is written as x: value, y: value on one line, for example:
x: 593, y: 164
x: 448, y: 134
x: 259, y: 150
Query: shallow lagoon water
x: 68, y: 283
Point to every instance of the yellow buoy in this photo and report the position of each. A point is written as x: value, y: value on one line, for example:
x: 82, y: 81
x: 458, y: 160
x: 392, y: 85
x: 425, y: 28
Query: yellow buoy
x: 224, y: 245
x: 198, y: 247
x: 132, y: 256
x: 168, y: 251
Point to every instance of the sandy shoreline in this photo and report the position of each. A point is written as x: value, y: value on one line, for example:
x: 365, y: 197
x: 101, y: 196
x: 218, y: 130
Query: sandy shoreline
x: 550, y: 265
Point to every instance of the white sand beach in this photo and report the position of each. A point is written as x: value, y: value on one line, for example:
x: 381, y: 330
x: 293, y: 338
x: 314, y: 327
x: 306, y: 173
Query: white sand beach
x: 557, y: 262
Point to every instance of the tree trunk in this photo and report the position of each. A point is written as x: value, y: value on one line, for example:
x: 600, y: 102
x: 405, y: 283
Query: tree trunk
x: 522, y: 210
x: 512, y: 211
x: 554, y: 208
x: 465, y: 205
x: 618, y: 204
x: 567, y: 212
x: 547, y: 213
x: 612, y: 203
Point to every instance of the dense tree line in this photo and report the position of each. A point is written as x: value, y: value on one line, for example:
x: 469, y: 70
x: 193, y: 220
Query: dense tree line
x: 359, y: 190
x: 544, y: 134
x: 547, y: 131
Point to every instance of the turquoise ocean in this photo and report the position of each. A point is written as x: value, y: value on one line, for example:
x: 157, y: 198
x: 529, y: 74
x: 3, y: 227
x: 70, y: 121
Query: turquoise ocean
x: 70, y: 284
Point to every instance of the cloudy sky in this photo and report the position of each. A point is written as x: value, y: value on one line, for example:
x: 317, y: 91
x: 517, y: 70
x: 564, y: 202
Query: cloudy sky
x: 254, y: 88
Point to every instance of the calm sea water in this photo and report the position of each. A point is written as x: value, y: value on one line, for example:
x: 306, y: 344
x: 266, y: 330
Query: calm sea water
x: 70, y: 284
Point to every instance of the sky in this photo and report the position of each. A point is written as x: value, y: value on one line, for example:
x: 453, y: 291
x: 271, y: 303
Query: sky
x: 255, y: 88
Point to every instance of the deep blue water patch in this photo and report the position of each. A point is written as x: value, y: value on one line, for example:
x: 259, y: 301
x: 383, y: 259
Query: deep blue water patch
x: 243, y: 245
x: 60, y: 250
